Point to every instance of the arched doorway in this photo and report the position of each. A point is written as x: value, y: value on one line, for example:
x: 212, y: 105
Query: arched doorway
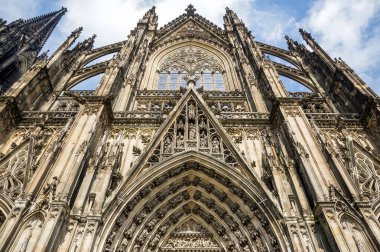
x: 192, y: 202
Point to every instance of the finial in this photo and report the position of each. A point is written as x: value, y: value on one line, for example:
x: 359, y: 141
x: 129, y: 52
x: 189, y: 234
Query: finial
x: 64, y: 9
x: 190, y: 10
x: 305, y: 34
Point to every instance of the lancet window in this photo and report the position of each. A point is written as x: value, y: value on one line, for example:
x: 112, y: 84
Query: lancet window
x: 191, y: 61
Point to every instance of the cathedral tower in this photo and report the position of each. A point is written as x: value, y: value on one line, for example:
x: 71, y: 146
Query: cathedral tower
x: 190, y: 142
x: 20, y: 43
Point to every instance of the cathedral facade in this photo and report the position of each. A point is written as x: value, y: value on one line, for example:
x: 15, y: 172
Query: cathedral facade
x: 190, y: 142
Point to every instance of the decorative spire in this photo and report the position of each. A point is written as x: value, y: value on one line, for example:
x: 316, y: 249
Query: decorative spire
x: 27, y: 38
x: 190, y: 10
x: 305, y: 35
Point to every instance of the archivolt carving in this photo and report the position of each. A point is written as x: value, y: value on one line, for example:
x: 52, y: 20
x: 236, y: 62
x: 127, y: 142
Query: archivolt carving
x: 191, y: 235
x: 191, y: 59
x: 151, y: 217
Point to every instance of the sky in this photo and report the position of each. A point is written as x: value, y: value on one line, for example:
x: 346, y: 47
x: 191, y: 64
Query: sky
x: 349, y: 29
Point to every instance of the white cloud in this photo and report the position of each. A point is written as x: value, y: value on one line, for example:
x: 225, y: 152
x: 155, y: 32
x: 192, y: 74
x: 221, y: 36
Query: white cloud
x: 113, y: 20
x: 346, y: 29
x: 15, y: 9
x: 272, y: 25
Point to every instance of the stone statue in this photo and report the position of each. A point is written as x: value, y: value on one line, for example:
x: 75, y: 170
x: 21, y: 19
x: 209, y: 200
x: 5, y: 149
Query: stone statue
x: 180, y: 125
x: 168, y: 145
x: 215, y: 145
x: 192, y: 132
x: 191, y: 110
x: 180, y: 140
x: 203, y: 140
x: 202, y: 124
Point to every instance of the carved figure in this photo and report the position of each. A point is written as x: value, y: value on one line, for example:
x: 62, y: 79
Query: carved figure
x: 168, y: 145
x: 191, y: 110
x: 180, y: 140
x: 202, y: 124
x: 215, y: 145
x: 180, y: 125
x: 192, y: 132
x: 203, y: 140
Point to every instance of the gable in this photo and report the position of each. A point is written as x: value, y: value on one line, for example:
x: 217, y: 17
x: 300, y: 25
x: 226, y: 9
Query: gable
x: 191, y: 126
x: 190, y: 29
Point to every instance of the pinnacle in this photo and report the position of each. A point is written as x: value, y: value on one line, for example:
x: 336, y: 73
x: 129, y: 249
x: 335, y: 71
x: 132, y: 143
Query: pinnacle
x: 190, y: 10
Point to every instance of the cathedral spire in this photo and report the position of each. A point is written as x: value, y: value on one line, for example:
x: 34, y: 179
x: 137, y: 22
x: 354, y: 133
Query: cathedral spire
x: 22, y: 40
x: 40, y: 29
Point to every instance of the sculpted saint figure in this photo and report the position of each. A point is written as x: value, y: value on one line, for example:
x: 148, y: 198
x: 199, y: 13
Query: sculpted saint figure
x: 191, y: 109
x: 203, y: 140
x: 167, y: 145
x: 192, y: 131
x: 180, y: 140
x: 215, y: 145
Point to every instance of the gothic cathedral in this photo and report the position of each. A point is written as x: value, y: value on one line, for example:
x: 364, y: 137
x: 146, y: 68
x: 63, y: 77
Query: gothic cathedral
x: 190, y: 142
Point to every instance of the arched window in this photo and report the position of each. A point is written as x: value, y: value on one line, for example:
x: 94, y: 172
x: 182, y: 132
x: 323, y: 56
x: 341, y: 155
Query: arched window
x: 171, y: 80
x: 177, y: 64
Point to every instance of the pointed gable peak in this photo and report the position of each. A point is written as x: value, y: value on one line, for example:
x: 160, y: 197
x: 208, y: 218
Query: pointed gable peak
x: 191, y: 127
x: 191, y: 15
x: 191, y: 26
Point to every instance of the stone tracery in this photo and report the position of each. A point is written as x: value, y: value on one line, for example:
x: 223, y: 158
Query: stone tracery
x: 192, y: 130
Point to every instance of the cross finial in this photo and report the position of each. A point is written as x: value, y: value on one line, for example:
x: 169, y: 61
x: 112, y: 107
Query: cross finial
x: 190, y: 10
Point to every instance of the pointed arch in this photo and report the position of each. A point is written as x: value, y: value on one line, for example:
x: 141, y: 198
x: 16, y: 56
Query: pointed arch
x: 102, y: 51
x: 292, y: 85
x: 28, y: 231
x: 218, y: 54
x: 354, y: 232
x: 192, y: 184
x: 89, y: 83
x: 278, y: 52
x: 281, y: 60
x: 100, y: 58
x: 86, y: 73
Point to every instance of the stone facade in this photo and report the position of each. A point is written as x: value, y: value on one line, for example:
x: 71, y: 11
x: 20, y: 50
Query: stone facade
x: 190, y: 142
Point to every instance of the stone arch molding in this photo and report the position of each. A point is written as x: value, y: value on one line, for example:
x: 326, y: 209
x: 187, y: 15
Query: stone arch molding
x: 207, y: 182
x: 217, y: 59
x: 192, y: 187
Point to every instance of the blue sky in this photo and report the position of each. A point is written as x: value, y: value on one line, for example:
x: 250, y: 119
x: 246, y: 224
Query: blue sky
x: 349, y: 29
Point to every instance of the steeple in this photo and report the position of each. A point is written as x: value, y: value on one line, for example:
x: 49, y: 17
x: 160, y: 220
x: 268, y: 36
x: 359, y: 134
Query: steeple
x: 22, y: 40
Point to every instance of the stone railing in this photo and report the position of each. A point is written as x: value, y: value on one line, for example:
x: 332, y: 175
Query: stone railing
x: 173, y: 93
x: 47, y: 114
x: 333, y: 116
x: 243, y: 115
x: 137, y: 115
x: 299, y: 94
x: 80, y: 92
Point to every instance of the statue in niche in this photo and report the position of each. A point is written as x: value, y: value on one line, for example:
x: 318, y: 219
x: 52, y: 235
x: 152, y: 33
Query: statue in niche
x: 180, y: 140
x: 180, y: 125
x: 215, y: 145
x: 203, y: 140
x: 202, y: 124
x: 168, y: 145
x: 192, y: 131
x: 191, y: 110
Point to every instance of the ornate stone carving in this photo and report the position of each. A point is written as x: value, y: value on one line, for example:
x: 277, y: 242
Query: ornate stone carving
x: 191, y: 59
x: 12, y: 173
x: 192, y: 130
